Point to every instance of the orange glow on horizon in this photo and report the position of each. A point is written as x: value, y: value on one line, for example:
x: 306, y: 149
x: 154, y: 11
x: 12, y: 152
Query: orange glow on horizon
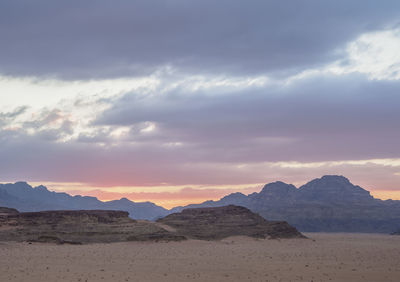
x: 171, y: 203
x: 386, y: 194
x: 172, y: 196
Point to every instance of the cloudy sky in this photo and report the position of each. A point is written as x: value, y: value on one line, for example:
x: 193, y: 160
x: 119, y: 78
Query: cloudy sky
x: 178, y: 101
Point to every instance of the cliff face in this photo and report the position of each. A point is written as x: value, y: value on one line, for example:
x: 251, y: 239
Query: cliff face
x: 221, y: 222
x: 82, y: 226
x: 103, y: 226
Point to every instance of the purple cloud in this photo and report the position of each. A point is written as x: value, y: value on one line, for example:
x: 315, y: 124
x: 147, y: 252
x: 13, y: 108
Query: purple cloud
x: 91, y: 39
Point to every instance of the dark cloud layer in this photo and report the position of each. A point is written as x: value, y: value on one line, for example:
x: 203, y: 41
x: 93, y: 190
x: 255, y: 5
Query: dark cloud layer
x: 91, y: 39
x: 316, y: 119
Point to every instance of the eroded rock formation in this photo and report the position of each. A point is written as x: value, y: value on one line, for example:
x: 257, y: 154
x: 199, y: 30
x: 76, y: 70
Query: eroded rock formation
x: 83, y: 226
x: 104, y: 226
x: 221, y: 222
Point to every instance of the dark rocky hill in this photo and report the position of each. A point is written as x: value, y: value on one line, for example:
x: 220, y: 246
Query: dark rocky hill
x: 79, y: 226
x: 222, y: 222
x: 105, y: 226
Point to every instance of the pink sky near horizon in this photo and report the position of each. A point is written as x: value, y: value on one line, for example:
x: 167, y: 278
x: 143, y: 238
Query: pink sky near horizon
x: 175, y: 104
x: 171, y: 196
x: 169, y: 200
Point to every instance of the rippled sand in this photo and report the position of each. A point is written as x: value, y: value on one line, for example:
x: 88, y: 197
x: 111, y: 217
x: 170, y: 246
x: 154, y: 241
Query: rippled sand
x: 325, y: 257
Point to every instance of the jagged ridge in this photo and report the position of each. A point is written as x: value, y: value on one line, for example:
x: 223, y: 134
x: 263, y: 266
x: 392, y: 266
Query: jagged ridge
x: 26, y: 198
x: 330, y: 204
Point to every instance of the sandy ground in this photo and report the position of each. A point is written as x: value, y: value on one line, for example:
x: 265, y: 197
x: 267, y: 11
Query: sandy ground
x: 326, y: 257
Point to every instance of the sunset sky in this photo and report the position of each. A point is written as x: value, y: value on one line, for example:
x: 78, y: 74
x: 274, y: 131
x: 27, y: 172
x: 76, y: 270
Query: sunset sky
x: 180, y: 101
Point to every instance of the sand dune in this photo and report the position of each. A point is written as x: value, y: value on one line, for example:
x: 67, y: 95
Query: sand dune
x: 325, y: 257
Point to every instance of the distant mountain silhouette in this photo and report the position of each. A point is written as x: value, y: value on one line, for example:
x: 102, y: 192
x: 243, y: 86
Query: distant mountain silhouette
x: 25, y: 198
x: 329, y: 204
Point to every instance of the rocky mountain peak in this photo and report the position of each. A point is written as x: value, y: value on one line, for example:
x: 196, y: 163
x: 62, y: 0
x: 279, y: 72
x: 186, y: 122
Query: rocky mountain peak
x: 21, y: 185
x: 333, y: 188
x: 41, y: 188
x: 339, y: 179
x: 125, y: 200
x: 234, y: 197
x: 278, y: 188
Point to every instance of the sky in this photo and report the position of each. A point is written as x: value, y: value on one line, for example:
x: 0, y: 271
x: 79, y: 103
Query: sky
x: 181, y: 101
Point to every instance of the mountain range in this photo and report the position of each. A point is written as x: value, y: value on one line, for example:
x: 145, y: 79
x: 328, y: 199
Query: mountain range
x: 327, y: 204
x: 26, y: 198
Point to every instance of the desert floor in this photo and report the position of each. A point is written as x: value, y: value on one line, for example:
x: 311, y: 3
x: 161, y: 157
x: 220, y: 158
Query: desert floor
x: 324, y: 257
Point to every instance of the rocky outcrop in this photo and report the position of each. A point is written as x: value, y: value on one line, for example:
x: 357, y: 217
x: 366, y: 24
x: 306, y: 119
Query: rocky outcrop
x: 221, y: 222
x: 82, y: 226
x: 105, y: 226
x: 7, y: 211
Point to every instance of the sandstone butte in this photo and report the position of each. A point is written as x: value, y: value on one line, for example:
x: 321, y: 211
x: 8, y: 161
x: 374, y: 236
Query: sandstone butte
x: 106, y: 226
